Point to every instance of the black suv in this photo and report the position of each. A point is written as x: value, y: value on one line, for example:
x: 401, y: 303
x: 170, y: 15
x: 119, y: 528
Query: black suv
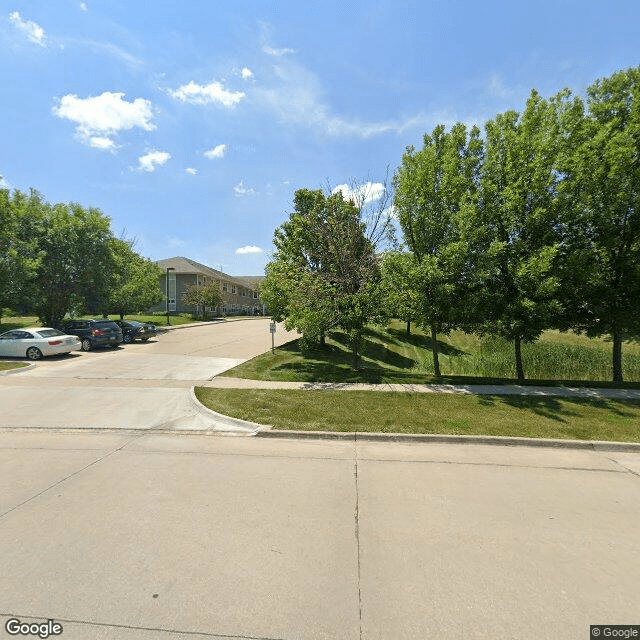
x: 95, y: 333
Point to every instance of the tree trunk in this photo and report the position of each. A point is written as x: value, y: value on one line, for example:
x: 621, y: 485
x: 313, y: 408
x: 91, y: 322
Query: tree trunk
x: 434, y: 350
x: 121, y: 316
x: 617, y: 356
x: 322, y: 340
x: 408, y: 327
x: 519, y: 367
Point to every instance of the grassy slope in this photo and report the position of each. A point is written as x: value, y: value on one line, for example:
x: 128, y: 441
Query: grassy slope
x: 389, y: 355
x: 5, y: 366
x: 522, y: 416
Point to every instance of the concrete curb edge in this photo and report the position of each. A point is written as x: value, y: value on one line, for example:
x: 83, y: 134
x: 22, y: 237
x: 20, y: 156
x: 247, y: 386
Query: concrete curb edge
x: 592, y: 445
x: 8, y: 372
x: 225, y: 421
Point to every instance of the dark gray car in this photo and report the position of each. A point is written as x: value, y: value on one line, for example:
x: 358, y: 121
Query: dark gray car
x: 95, y: 333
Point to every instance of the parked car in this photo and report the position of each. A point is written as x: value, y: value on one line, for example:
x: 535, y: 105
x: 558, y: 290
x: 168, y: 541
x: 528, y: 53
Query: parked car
x: 36, y: 342
x: 134, y: 330
x: 95, y: 333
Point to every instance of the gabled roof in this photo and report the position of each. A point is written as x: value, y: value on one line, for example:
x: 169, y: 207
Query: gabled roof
x: 186, y: 265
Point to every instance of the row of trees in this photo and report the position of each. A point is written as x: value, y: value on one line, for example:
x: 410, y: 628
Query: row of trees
x: 535, y: 225
x: 64, y: 258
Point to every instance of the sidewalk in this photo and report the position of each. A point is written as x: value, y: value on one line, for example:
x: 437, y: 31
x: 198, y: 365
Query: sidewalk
x: 480, y: 389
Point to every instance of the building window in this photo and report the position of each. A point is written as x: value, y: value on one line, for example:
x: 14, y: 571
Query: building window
x: 233, y: 288
x: 255, y: 295
x: 225, y: 286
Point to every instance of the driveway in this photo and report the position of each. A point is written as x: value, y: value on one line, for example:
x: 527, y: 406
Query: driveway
x: 136, y: 386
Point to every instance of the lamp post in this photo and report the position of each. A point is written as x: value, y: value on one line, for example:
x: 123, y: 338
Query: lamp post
x: 167, y: 283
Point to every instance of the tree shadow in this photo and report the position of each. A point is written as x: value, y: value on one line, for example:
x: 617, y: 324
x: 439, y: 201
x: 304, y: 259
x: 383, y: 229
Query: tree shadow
x: 376, y: 351
x: 424, y: 342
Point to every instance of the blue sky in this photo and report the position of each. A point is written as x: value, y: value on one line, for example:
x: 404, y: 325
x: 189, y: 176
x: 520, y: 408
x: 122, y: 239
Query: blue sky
x: 191, y: 124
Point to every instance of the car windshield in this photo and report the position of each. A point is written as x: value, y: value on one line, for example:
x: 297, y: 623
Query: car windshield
x: 49, y: 333
x: 134, y: 323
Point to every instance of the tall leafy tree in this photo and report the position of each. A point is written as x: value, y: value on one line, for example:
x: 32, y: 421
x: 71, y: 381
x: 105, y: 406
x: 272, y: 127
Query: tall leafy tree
x: 324, y: 274
x: 515, y: 225
x: 435, y: 191
x: 601, y: 211
x: 18, y: 251
x: 134, y: 284
x: 75, y: 260
x: 400, y: 286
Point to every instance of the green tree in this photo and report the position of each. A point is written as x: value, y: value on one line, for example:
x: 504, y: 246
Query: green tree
x: 516, y: 224
x: 206, y: 295
x: 400, y: 286
x: 75, y: 260
x: 601, y: 211
x: 134, y: 283
x: 18, y: 252
x: 435, y: 191
x: 324, y: 273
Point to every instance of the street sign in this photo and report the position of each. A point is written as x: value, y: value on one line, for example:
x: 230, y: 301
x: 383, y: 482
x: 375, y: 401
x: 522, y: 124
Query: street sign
x: 272, y: 327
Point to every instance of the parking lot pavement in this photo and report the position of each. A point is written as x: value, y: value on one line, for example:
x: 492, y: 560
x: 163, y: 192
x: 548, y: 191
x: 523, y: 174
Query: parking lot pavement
x: 169, y: 536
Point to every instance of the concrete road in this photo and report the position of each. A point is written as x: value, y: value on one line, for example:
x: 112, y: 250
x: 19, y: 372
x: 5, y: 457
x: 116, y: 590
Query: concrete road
x: 136, y: 386
x: 137, y: 536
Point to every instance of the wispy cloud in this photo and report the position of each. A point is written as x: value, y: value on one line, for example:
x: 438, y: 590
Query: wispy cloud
x: 153, y: 159
x: 33, y: 31
x: 246, y: 73
x: 217, y: 152
x: 297, y: 98
x: 83, y: 6
x: 97, y: 118
x: 191, y: 171
x: 213, y: 93
x: 249, y: 249
x: 241, y: 190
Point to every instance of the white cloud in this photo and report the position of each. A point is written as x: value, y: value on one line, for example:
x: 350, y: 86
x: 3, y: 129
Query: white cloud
x: 100, y: 142
x: 191, y: 171
x: 153, y: 159
x: 277, y: 52
x: 241, y: 190
x: 297, y: 98
x: 83, y: 6
x: 98, y: 117
x: 362, y: 194
x: 246, y: 73
x: 205, y: 94
x: 249, y: 249
x: 217, y: 152
x: 33, y: 31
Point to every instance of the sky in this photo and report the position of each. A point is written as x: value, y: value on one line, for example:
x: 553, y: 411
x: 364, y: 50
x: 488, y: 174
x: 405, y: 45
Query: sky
x: 191, y: 124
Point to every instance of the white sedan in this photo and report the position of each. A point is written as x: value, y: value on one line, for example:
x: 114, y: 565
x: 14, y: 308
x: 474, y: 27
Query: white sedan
x: 36, y: 342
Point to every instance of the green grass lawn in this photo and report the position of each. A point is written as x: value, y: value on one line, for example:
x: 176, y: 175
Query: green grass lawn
x: 5, y: 366
x: 399, y: 412
x: 389, y: 356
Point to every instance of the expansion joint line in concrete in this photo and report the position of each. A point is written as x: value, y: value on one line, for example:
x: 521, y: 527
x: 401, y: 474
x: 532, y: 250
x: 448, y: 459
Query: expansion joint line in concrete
x: 92, y: 623
x: 357, y: 518
x: 71, y: 475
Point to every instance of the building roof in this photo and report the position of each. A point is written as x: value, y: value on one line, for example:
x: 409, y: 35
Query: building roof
x: 188, y: 266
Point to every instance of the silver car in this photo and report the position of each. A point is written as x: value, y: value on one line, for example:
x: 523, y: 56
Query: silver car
x: 36, y: 342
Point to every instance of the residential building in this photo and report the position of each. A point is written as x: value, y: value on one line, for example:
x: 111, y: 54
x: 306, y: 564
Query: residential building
x: 240, y: 295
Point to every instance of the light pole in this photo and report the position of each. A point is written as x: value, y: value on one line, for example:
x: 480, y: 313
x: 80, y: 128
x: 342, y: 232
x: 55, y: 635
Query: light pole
x: 167, y: 283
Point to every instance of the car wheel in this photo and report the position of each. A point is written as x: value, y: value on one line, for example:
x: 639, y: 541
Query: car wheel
x: 86, y: 344
x: 33, y: 353
x: 127, y: 339
x: 144, y: 339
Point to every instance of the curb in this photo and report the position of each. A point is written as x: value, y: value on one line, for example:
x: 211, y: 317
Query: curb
x: 165, y: 328
x: 8, y: 372
x: 591, y: 445
x: 234, y: 424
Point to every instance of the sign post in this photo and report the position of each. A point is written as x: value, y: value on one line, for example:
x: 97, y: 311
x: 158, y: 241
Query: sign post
x: 272, y: 329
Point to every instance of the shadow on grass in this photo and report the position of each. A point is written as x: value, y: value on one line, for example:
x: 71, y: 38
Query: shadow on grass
x: 555, y: 407
x: 424, y: 342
